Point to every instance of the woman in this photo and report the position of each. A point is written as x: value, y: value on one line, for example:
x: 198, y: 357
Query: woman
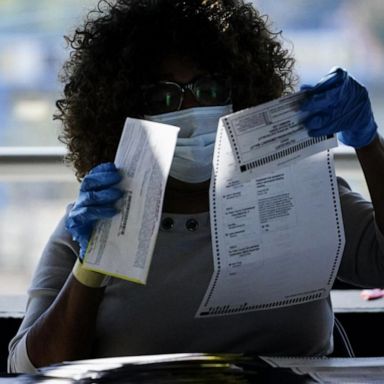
x: 160, y: 60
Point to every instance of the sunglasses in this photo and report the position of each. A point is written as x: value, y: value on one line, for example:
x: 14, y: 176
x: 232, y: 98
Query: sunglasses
x: 168, y: 96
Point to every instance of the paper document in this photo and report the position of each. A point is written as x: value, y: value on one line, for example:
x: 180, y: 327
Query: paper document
x: 123, y: 245
x: 277, y: 235
x: 334, y: 370
x: 270, y: 135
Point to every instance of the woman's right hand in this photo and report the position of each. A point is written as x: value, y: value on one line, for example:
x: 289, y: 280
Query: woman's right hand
x: 96, y: 200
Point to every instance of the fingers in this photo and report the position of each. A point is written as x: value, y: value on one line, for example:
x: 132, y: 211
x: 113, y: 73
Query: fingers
x: 322, y: 123
x: 316, y: 102
x: 98, y: 198
x: 326, y: 93
x: 334, y: 79
x: 103, y: 167
x: 100, y: 177
x: 85, y: 217
x: 326, y: 123
x: 96, y: 201
x: 306, y: 87
x: 320, y: 106
x: 83, y: 247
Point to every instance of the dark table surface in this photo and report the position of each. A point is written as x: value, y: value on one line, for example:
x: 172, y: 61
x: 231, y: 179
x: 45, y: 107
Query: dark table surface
x: 209, y: 368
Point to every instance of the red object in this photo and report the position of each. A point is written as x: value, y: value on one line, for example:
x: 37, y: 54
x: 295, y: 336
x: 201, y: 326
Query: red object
x: 372, y: 294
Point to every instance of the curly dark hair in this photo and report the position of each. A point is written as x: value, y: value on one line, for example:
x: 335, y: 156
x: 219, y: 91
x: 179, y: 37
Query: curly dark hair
x: 121, y: 43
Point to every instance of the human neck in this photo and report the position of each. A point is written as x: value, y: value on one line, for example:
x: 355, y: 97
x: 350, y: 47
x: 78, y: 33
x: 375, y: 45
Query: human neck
x: 183, y: 197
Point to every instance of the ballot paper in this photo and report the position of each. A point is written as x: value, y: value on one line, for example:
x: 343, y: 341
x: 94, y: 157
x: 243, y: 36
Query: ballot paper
x: 277, y: 230
x: 123, y: 246
x: 333, y: 370
x: 271, y: 135
x: 209, y: 368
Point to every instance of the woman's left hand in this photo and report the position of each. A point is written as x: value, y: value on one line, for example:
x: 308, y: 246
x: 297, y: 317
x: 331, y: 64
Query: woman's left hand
x: 339, y: 104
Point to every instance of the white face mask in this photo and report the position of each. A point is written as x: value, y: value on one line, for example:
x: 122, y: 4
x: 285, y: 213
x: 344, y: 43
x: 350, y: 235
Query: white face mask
x: 192, y: 161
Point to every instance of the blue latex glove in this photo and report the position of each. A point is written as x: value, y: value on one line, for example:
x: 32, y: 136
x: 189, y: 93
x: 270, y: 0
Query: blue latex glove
x: 339, y: 104
x: 96, y: 200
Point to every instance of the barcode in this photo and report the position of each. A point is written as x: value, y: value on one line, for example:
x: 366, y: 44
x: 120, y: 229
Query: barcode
x: 250, y: 122
x: 283, y: 153
x: 245, y: 307
x: 125, y: 212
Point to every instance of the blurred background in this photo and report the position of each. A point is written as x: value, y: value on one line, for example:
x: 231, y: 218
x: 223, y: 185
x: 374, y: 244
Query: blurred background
x: 35, y: 186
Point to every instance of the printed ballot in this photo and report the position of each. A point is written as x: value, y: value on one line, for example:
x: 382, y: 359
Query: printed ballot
x: 276, y: 223
x: 123, y: 246
x: 270, y: 135
x: 277, y: 231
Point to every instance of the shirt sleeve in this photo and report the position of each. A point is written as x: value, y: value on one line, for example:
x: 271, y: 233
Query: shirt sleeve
x: 362, y: 263
x: 18, y: 359
x: 54, y: 266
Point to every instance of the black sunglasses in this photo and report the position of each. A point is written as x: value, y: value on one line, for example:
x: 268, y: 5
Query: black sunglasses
x: 167, y: 96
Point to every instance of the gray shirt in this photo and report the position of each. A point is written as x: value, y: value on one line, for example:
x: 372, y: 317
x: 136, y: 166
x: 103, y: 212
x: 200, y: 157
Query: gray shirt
x: 159, y: 317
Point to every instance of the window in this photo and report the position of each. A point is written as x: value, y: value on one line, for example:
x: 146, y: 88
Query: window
x: 35, y: 186
x: 328, y: 33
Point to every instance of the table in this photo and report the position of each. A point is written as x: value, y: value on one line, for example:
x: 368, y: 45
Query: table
x: 209, y: 368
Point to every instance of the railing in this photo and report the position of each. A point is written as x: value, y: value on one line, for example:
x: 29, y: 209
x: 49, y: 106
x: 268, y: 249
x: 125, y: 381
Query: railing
x: 34, y: 164
x: 36, y: 186
x: 32, y: 156
x: 46, y: 163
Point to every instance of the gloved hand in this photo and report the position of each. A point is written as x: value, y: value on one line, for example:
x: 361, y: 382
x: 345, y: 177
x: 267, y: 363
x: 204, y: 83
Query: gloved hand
x: 339, y: 104
x: 96, y: 200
